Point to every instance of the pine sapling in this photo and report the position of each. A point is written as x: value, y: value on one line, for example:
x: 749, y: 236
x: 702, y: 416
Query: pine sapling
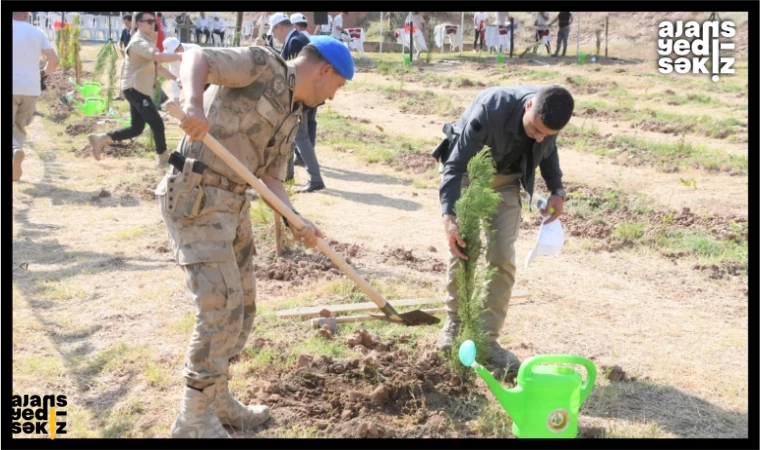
x: 478, y: 203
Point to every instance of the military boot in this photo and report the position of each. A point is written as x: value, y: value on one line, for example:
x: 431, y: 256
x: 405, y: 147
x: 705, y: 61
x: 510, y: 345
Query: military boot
x: 232, y: 412
x: 197, y: 417
x: 163, y: 159
x: 503, y: 358
x: 448, y: 334
x: 98, y: 141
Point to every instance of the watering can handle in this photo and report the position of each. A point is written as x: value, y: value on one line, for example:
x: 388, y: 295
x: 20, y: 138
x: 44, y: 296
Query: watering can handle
x: 586, y: 386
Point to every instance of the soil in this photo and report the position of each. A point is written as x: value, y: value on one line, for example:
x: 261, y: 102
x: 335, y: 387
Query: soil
x: 407, y: 258
x: 85, y: 125
x: 298, y: 267
x: 361, y: 397
x: 414, y: 162
x: 586, y: 88
x: 122, y: 149
x: 616, y: 374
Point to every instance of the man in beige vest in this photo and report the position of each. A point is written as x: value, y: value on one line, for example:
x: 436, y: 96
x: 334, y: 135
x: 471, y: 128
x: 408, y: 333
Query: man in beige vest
x: 138, y: 81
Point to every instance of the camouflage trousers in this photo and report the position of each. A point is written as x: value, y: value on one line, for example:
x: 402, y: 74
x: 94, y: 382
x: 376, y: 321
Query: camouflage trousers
x: 215, y: 250
x: 501, y: 256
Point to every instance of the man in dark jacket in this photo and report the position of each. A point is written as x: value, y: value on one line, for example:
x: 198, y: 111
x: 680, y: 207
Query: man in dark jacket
x: 520, y: 126
x: 293, y: 41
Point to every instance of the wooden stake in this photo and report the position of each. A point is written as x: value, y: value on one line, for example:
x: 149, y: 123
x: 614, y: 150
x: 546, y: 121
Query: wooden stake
x: 279, y: 249
x: 606, y: 33
x: 511, y: 36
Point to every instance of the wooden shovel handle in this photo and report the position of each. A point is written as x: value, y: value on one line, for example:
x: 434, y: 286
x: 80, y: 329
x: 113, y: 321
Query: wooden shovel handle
x: 280, y: 207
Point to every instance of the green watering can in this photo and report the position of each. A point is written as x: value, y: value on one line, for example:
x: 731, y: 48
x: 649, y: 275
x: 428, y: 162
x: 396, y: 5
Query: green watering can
x: 546, y: 401
x: 407, y: 60
x: 91, y: 106
x: 88, y: 88
x: 500, y: 58
x: 582, y: 58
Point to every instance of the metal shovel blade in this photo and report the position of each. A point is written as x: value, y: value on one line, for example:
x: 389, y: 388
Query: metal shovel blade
x: 410, y: 318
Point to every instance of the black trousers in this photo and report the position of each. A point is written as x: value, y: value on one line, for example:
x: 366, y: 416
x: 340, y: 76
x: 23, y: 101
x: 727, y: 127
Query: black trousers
x: 198, y: 35
x: 477, y: 35
x: 220, y: 34
x: 142, y: 110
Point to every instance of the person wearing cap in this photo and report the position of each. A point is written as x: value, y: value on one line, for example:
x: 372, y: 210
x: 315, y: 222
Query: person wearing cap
x: 173, y: 46
x: 292, y: 41
x: 202, y: 26
x: 139, y: 72
x: 519, y: 125
x: 301, y: 23
x: 253, y: 111
x: 218, y: 27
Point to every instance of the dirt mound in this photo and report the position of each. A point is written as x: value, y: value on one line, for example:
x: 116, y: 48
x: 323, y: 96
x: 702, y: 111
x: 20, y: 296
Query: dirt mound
x: 85, y: 125
x: 414, y: 162
x: 584, y: 87
x: 122, y: 149
x: 298, y: 267
x: 359, y: 397
x: 591, y: 112
x: 407, y: 258
x: 142, y: 191
x: 616, y: 374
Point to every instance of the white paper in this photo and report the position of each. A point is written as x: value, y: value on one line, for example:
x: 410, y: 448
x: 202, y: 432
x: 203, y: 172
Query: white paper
x: 551, y: 239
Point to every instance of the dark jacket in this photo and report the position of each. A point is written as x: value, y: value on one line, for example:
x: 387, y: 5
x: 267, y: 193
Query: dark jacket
x: 295, y: 43
x: 494, y: 119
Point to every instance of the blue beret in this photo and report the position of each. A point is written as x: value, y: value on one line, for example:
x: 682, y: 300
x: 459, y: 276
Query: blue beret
x: 336, y: 53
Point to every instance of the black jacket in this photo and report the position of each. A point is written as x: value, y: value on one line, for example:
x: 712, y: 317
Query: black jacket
x: 295, y: 43
x: 494, y: 120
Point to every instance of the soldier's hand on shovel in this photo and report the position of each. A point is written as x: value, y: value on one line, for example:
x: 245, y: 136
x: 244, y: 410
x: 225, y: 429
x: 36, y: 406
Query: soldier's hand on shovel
x: 195, y: 124
x: 308, y: 234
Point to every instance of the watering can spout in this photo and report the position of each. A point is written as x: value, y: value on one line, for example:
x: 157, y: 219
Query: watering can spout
x: 509, y: 399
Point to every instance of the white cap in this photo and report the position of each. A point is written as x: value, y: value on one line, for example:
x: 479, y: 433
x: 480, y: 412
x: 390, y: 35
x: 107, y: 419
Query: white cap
x: 298, y: 18
x: 551, y: 239
x: 276, y: 19
x: 171, y: 44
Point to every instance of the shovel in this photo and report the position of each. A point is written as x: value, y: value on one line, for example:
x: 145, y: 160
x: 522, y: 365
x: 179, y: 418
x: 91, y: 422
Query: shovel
x: 416, y: 317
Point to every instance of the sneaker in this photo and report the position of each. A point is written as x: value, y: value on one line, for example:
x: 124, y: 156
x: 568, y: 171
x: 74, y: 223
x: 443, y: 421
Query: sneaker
x: 448, y: 334
x: 98, y: 141
x: 18, y: 157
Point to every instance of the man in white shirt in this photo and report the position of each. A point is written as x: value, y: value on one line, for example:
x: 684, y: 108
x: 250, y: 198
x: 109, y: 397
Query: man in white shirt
x: 173, y: 46
x: 418, y: 30
x: 337, y: 26
x: 300, y: 22
x: 29, y: 43
x: 327, y: 29
x: 202, y: 26
x: 218, y: 26
x: 481, y: 20
x: 542, y: 30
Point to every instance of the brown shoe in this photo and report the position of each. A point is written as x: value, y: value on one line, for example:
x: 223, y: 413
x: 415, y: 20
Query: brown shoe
x: 98, y: 141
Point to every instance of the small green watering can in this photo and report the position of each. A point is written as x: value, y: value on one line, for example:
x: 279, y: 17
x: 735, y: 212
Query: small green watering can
x: 91, y: 106
x: 582, y: 58
x: 546, y: 401
x: 88, y: 88
x: 407, y: 60
x: 500, y: 58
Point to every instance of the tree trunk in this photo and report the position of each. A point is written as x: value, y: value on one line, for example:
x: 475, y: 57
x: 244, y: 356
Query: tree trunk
x: 238, y: 29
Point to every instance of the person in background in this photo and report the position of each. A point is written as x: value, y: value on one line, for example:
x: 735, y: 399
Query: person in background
x: 327, y: 29
x: 202, y: 26
x: 418, y: 24
x: 184, y: 25
x: 565, y: 20
x: 173, y: 46
x: 337, y: 26
x: 159, y: 28
x: 218, y: 26
x: 481, y: 20
x: 29, y: 44
x: 161, y: 19
x: 138, y: 77
x: 301, y: 23
x: 125, y: 34
x: 542, y: 29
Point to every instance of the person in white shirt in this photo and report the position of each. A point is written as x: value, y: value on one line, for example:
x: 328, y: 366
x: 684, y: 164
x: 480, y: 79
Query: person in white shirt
x: 418, y: 23
x: 202, y: 26
x: 542, y: 29
x: 481, y: 20
x: 173, y: 46
x: 218, y: 26
x: 300, y: 22
x: 327, y: 29
x: 29, y: 43
x: 337, y: 26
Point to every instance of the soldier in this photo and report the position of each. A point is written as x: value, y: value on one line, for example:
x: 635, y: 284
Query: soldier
x: 253, y: 108
x: 519, y: 125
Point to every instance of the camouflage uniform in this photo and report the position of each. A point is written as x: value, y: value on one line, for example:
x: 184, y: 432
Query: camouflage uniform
x: 251, y: 112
